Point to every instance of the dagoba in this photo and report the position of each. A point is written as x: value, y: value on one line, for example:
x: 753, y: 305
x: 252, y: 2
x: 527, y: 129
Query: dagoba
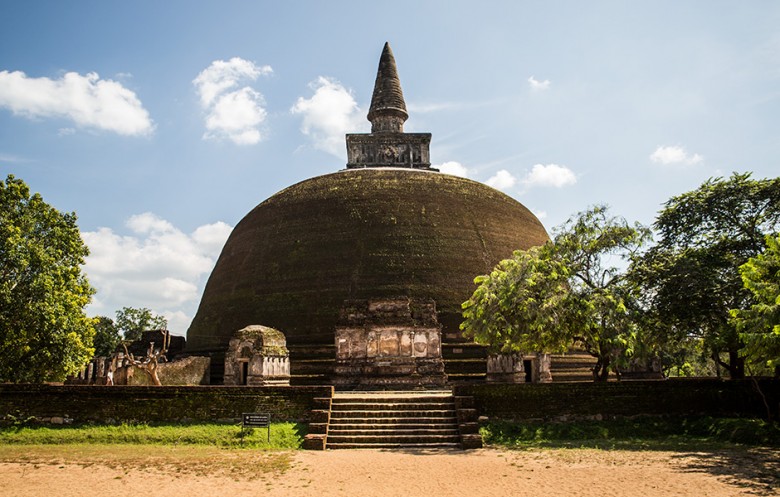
x: 389, y: 237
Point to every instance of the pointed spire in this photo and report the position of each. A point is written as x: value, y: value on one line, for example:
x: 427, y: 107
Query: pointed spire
x: 388, y: 109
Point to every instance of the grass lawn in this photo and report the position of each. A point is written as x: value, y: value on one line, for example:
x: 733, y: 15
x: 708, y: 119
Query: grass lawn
x: 197, y: 449
x: 283, y: 435
x: 642, y: 433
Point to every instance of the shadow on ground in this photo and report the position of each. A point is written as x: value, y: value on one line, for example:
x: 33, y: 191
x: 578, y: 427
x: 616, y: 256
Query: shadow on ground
x: 754, y: 469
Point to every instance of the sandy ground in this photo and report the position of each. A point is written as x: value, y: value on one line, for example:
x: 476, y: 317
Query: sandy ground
x: 367, y: 473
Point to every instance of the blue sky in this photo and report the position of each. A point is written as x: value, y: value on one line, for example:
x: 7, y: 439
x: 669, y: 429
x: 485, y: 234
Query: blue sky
x: 161, y: 124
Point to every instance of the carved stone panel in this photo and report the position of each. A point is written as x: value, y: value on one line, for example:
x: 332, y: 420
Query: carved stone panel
x: 388, y: 343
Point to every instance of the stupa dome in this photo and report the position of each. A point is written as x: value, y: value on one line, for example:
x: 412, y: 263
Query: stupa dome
x: 358, y: 234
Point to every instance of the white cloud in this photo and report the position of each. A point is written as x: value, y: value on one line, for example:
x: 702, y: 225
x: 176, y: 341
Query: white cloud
x: 232, y: 113
x: 550, y: 175
x: 13, y: 158
x: 86, y: 100
x: 453, y: 168
x: 156, y: 266
x: 540, y: 214
x: 674, y: 155
x: 537, y: 85
x: 329, y: 114
x: 502, y: 180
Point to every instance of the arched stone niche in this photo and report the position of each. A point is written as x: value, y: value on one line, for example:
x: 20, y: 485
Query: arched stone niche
x: 257, y: 356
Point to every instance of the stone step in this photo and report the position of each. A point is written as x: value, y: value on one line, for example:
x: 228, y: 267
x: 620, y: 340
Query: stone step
x: 386, y: 419
x: 350, y: 430
x: 393, y: 439
x: 394, y: 406
x: 386, y: 395
x: 408, y: 413
x: 465, y: 366
x: 400, y: 445
x: 420, y: 421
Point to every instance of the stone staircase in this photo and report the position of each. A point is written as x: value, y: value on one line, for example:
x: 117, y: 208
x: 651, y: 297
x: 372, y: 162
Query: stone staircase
x: 398, y: 420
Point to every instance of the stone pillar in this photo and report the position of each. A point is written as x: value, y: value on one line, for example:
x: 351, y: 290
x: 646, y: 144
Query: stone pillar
x: 542, y: 366
x: 90, y: 373
x: 505, y: 368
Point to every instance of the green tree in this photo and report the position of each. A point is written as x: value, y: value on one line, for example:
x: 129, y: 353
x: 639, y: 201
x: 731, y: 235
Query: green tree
x: 690, y: 278
x: 107, y: 337
x: 132, y: 322
x: 44, y: 333
x: 547, y: 298
x: 520, y: 303
x: 759, y: 325
x: 596, y: 248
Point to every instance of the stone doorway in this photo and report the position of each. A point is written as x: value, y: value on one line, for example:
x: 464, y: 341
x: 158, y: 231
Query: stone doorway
x: 243, y: 371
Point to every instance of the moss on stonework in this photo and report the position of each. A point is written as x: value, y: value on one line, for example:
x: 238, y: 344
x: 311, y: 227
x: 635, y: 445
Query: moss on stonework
x: 267, y: 341
x: 358, y: 234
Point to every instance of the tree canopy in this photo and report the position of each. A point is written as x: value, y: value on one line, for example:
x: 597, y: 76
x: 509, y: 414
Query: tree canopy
x: 690, y: 278
x: 44, y: 332
x: 547, y: 298
x: 759, y: 325
x: 132, y: 322
x: 515, y: 307
x: 107, y: 337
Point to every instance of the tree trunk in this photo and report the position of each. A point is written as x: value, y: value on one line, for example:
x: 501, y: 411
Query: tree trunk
x: 736, y: 365
x: 601, y: 369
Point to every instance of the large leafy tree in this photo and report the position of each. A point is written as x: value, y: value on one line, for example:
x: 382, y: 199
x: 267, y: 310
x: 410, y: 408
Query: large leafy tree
x: 132, y: 322
x: 691, y: 278
x: 107, y: 337
x: 596, y: 248
x: 759, y: 325
x: 517, y: 307
x: 44, y: 333
x: 571, y: 290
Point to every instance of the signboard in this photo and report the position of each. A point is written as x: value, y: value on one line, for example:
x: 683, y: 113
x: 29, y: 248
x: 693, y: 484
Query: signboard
x: 256, y: 420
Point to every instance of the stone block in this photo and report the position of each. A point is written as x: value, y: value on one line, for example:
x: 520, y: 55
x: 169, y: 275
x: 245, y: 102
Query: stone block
x: 467, y: 415
x: 462, y: 402
x: 320, y: 416
x: 318, y: 428
x: 314, y: 441
x: 468, y: 428
x: 471, y: 441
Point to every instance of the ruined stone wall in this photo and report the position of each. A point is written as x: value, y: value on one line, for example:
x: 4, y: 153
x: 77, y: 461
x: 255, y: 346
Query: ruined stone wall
x: 118, y: 404
x: 676, y: 397
x: 191, y: 370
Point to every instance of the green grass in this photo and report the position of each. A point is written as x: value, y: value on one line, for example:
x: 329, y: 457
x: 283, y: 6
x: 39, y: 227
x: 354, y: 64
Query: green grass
x: 648, y: 433
x: 283, y: 435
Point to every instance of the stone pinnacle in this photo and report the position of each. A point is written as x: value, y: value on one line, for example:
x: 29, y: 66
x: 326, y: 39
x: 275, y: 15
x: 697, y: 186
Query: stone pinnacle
x: 388, y: 109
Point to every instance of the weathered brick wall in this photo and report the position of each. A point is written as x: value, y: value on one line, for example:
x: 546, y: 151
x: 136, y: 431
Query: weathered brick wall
x: 116, y: 404
x: 191, y: 370
x: 628, y: 398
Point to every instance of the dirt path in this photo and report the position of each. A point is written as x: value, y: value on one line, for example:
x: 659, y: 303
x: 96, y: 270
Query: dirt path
x: 371, y: 473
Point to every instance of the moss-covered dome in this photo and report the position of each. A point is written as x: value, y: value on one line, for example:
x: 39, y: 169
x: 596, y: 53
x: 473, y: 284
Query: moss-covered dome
x: 357, y: 234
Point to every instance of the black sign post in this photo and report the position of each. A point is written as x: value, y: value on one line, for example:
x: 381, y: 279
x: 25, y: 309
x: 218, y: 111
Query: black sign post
x: 256, y: 420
